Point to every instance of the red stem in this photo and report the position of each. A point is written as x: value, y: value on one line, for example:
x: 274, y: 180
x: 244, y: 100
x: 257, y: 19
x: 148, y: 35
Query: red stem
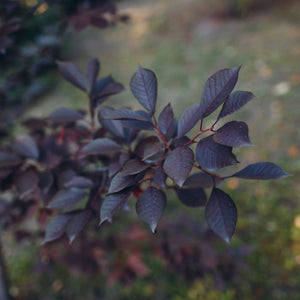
x: 209, y: 173
x: 199, y: 133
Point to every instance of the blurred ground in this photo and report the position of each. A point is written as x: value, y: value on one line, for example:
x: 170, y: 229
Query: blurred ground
x: 184, y: 42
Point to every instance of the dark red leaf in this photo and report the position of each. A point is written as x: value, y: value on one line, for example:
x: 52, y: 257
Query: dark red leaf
x: 200, y: 180
x: 212, y: 156
x: 261, y: 170
x: 67, y: 198
x: 56, y: 227
x: 150, y: 206
x: 217, y: 88
x: 179, y: 164
x: 188, y: 119
x: 92, y: 71
x: 143, y: 86
x: 235, y: 101
x: 25, y: 145
x: 192, y: 197
x: 133, y: 166
x: 64, y: 115
x: 221, y: 214
x: 160, y: 177
x: 9, y: 160
x: 72, y: 74
x: 165, y: 119
x: 79, y: 182
x: 100, y: 146
x: 77, y: 222
x: 233, y: 134
x: 111, y: 204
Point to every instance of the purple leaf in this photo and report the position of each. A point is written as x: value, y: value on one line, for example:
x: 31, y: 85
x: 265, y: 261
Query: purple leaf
x: 46, y: 180
x: 233, y: 134
x: 25, y: 146
x: 188, y: 119
x: 179, y: 142
x: 111, y: 204
x: 26, y: 183
x: 72, y: 74
x: 92, y: 71
x: 151, y: 150
x: 56, y: 227
x: 119, y: 183
x: 221, y: 214
x: 235, y: 101
x: 64, y: 115
x: 9, y: 160
x: 100, y: 146
x: 212, y: 156
x: 77, y: 222
x: 261, y: 170
x: 79, y: 182
x: 200, y: 180
x: 143, y: 86
x: 133, y: 166
x: 160, y: 177
x: 109, y: 90
x: 114, y: 126
x: 192, y: 197
x: 138, y: 124
x: 128, y: 114
x: 150, y: 206
x: 179, y: 164
x: 217, y: 88
x: 67, y: 198
x: 165, y: 119
x: 143, y: 143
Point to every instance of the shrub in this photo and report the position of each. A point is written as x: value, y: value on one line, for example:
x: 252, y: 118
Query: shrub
x: 77, y: 166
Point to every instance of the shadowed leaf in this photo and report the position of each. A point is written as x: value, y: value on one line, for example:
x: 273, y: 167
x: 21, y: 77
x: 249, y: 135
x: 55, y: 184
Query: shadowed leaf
x: 77, y: 222
x: 192, y: 197
x: 200, y: 180
x: 79, y: 182
x: 160, y: 177
x: 153, y: 149
x: 188, y: 119
x: 92, y: 71
x: 100, y: 146
x: 221, y: 214
x: 235, y: 101
x: 233, y: 134
x: 72, y: 74
x: 212, y: 156
x: 9, y: 160
x: 111, y: 204
x: 67, y: 198
x: 217, y: 88
x: 26, y: 183
x: 133, y: 166
x: 165, y: 119
x: 119, y: 183
x: 261, y: 170
x: 150, y: 206
x: 178, y: 164
x: 64, y: 115
x: 25, y: 145
x: 143, y: 86
x: 56, y: 227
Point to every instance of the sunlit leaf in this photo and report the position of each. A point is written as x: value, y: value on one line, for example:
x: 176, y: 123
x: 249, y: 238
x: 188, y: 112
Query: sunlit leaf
x: 150, y: 206
x: 178, y: 164
x: 221, y: 214
x: 143, y: 86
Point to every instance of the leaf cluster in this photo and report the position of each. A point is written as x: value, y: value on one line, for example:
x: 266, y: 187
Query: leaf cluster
x: 82, y: 165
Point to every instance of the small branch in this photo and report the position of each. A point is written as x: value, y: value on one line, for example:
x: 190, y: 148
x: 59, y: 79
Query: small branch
x: 209, y: 173
x: 199, y: 133
x: 162, y: 137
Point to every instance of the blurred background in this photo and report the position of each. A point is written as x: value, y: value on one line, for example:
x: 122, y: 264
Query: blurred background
x: 183, y: 42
